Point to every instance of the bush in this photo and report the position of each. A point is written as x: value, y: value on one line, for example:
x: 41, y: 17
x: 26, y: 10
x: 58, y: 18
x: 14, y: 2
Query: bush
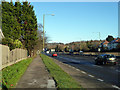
x: 12, y: 44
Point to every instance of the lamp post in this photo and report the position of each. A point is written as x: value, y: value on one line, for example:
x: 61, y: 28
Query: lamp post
x: 98, y: 33
x: 44, y: 27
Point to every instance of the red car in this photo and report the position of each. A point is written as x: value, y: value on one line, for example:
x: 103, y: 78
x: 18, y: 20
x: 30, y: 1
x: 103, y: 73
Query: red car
x: 54, y: 55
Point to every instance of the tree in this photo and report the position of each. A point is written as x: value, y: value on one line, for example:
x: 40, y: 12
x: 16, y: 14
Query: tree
x: 109, y: 38
x: 10, y: 26
x: 0, y: 16
x: 29, y: 27
x: 67, y: 49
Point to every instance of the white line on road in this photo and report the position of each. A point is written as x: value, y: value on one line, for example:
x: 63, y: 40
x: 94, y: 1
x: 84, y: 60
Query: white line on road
x: 83, y: 72
x: 90, y: 75
x: 77, y: 69
x: 117, y: 70
x: 97, y: 66
x: 116, y: 87
x: 100, y: 80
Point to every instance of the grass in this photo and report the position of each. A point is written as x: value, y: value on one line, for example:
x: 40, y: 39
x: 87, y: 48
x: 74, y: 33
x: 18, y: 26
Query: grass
x: 12, y: 74
x: 62, y: 79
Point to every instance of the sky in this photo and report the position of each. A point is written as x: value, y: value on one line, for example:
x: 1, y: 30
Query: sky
x: 78, y: 21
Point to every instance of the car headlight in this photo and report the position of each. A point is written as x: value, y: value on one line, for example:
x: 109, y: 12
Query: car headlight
x: 111, y: 58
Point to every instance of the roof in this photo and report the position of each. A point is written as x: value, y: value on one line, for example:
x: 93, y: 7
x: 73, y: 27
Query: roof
x: 105, y: 42
x: 117, y: 40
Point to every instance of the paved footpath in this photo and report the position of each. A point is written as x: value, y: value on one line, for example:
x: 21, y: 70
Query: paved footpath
x: 36, y: 76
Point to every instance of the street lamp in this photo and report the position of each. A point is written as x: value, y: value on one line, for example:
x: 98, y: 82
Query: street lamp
x: 44, y: 26
x: 98, y: 33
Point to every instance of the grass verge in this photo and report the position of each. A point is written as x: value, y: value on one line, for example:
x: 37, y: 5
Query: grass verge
x: 12, y: 74
x: 62, y: 79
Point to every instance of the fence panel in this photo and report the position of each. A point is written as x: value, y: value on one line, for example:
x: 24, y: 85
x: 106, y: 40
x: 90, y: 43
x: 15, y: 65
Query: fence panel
x: 10, y: 57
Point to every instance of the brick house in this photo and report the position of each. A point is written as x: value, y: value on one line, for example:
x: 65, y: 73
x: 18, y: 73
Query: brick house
x: 113, y: 44
x: 104, y: 43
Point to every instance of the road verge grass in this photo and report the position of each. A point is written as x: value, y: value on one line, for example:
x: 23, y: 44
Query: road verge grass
x: 62, y: 79
x: 12, y: 74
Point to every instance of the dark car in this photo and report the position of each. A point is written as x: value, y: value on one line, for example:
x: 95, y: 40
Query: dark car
x: 106, y: 59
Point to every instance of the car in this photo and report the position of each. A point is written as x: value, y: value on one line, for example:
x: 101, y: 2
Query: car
x: 81, y: 52
x: 47, y: 52
x: 54, y: 55
x: 106, y: 59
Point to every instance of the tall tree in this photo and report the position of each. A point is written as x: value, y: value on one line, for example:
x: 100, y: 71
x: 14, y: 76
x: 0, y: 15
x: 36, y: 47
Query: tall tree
x: 29, y: 24
x: 10, y: 26
x: 0, y: 16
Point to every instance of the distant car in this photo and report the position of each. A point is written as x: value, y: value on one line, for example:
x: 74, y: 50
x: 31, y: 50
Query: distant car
x: 47, y: 52
x: 54, y: 55
x: 81, y: 52
x: 106, y: 59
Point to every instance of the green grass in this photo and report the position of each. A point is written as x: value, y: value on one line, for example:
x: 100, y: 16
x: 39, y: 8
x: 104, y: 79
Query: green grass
x: 12, y: 74
x: 62, y: 79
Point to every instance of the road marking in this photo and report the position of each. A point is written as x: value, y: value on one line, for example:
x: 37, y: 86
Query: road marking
x: 100, y: 80
x: 97, y: 66
x: 83, y: 72
x: 117, y: 70
x: 77, y: 69
x: 91, y: 75
x: 116, y: 87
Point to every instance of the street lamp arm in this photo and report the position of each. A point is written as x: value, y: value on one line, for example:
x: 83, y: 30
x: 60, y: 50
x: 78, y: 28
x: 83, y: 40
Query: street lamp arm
x: 50, y: 14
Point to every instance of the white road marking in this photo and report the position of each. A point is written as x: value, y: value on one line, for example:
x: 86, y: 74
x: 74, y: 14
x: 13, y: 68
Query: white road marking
x: 77, y: 69
x: 90, y: 75
x: 100, y: 80
x: 83, y: 72
x: 116, y: 87
x: 97, y: 66
x: 117, y: 70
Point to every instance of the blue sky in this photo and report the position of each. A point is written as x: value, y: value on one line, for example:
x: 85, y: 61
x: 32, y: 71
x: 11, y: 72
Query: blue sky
x: 75, y: 21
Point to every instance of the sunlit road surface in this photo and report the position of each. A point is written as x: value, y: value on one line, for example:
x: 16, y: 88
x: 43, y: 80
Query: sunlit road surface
x: 104, y: 73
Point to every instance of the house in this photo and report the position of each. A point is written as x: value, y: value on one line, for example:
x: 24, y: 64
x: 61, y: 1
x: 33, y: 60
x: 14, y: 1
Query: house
x: 1, y: 35
x: 104, y: 44
x: 113, y: 44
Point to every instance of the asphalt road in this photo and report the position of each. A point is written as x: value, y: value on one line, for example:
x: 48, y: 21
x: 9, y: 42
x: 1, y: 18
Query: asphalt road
x: 106, y: 73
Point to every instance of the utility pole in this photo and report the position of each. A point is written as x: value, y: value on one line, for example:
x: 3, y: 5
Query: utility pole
x: 98, y: 33
x: 43, y: 29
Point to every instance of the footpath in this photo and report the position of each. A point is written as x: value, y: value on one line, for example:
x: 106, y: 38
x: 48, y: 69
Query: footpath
x: 36, y: 76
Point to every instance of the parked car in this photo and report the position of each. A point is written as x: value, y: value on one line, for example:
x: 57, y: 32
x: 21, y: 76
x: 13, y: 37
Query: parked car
x: 54, y: 55
x: 106, y: 59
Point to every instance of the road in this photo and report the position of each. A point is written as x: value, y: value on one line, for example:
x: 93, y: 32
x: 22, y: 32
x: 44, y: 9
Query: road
x: 105, y: 73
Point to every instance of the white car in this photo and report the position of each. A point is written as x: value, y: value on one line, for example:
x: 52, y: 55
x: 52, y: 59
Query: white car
x: 47, y: 51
